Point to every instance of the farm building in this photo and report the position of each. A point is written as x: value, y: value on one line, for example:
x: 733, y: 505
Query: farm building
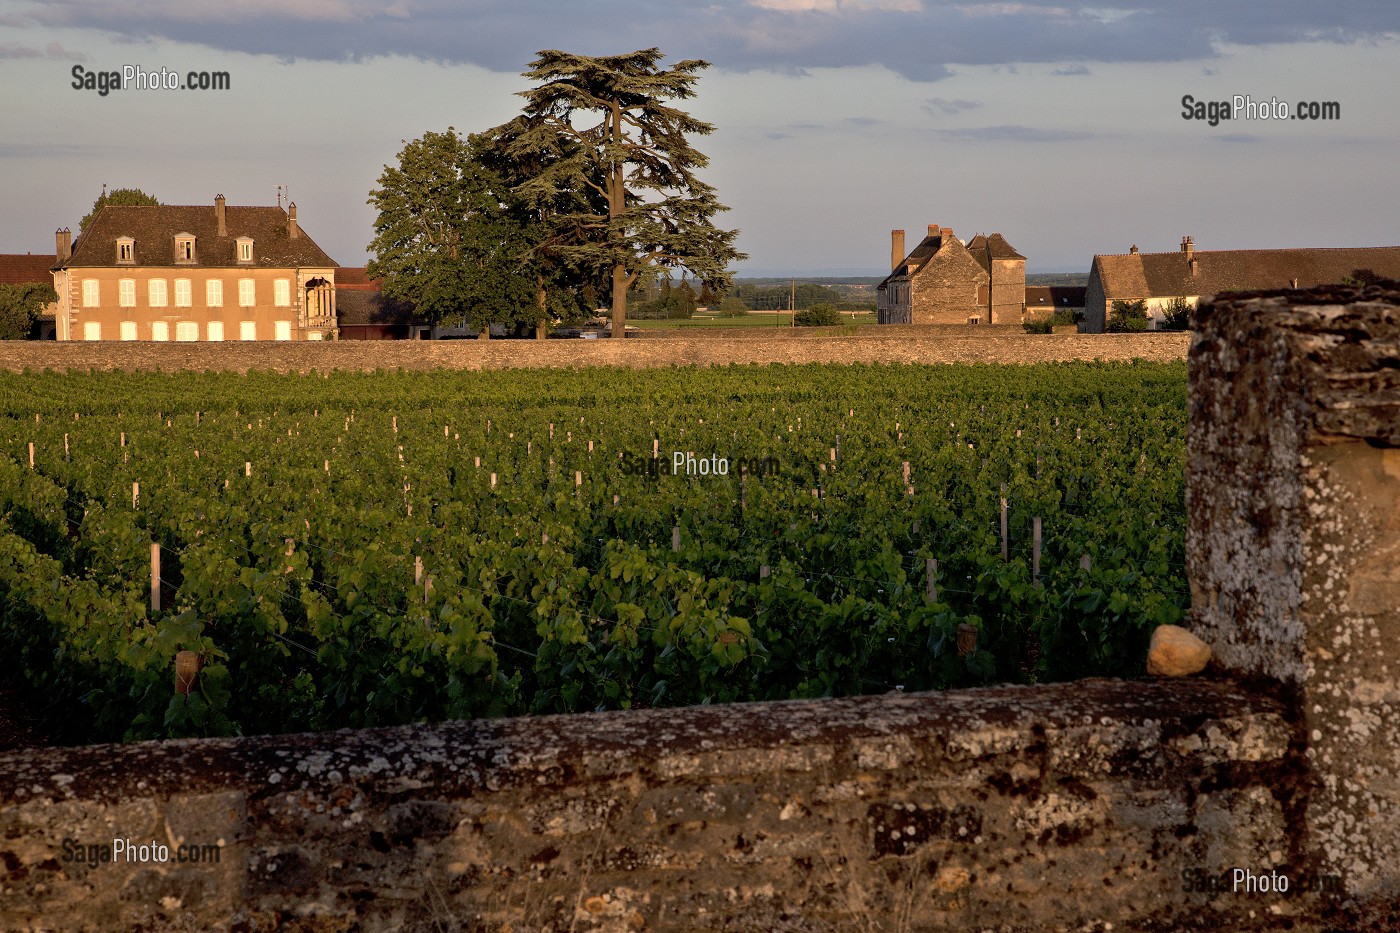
x: 1188, y: 273
x: 943, y: 281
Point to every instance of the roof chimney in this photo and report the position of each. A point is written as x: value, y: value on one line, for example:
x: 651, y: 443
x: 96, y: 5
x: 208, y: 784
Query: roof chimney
x: 293, y: 231
x: 896, y: 248
x: 219, y: 213
x: 1193, y: 262
x: 1133, y: 250
x: 63, y: 243
x: 946, y: 232
x: 1188, y: 246
x: 933, y: 229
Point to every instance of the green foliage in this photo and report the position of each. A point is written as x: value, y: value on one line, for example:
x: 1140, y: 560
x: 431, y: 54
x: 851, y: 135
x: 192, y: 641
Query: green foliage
x: 733, y: 306
x: 607, y: 161
x: 1176, y: 314
x: 119, y: 197
x: 296, y: 587
x: 1127, y: 317
x: 452, y: 241
x: 1360, y: 278
x: 20, y: 306
x: 802, y: 295
x: 1039, y: 325
x: 820, y: 315
x: 670, y: 302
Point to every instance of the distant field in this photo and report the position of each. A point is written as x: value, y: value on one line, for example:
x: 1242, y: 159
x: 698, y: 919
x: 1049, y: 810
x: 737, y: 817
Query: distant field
x: 772, y: 319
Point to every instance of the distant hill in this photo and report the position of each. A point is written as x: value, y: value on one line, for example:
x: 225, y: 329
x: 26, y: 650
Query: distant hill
x: 1057, y: 278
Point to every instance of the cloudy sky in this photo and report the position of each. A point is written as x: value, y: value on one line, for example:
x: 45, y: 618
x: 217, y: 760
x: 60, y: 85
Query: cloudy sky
x: 1058, y: 124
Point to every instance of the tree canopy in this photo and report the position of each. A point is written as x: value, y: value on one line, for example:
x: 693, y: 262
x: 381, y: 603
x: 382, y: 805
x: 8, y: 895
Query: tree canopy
x: 20, y: 305
x: 454, y: 241
x: 119, y: 197
x: 607, y: 163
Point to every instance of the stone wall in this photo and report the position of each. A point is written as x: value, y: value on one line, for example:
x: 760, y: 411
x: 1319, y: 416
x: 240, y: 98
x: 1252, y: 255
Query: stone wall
x: 1293, y: 493
x: 888, y: 344
x: 1073, y: 806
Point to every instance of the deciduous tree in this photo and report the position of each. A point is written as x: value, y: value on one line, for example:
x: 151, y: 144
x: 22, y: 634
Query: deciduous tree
x: 454, y: 241
x: 118, y: 197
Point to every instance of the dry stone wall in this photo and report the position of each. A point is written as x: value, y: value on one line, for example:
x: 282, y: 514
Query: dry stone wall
x: 1019, y: 809
x: 1293, y: 494
x: 885, y: 344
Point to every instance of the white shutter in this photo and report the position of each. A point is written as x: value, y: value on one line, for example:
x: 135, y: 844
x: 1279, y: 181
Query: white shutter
x: 248, y: 330
x: 216, y: 330
x: 282, y: 330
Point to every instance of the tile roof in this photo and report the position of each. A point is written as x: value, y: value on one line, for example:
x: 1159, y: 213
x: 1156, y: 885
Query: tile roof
x: 154, y: 230
x: 918, y: 256
x: 354, y: 277
x: 1142, y: 275
x: 1056, y: 296
x: 984, y: 249
x: 23, y: 268
x: 998, y: 248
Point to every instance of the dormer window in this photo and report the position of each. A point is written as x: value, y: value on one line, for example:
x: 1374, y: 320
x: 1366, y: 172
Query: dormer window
x: 184, y: 247
x: 126, y: 249
x: 245, y: 249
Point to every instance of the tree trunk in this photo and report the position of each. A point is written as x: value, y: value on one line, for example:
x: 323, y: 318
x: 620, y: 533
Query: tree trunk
x: 619, y: 301
x: 542, y: 297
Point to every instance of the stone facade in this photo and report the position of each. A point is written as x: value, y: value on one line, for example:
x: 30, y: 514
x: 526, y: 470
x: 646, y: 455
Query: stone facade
x: 943, y: 281
x: 189, y: 274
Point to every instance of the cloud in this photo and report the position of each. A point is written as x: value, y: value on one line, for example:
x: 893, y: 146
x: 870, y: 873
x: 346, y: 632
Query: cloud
x: 944, y: 105
x: 1016, y: 134
x: 919, y: 39
x: 14, y: 50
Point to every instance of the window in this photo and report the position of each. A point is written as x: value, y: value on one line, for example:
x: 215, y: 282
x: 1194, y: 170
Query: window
x: 182, y: 293
x: 89, y: 293
x: 128, y: 330
x: 216, y: 330
x: 186, y: 331
x: 126, y: 293
x: 282, y: 293
x: 126, y: 249
x: 184, y: 247
x: 245, y: 249
x: 282, y: 330
x: 214, y: 293
x: 247, y: 331
x: 160, y: 330
x: 92, y: 330
x: 158, y: 297
x: 245, y: 293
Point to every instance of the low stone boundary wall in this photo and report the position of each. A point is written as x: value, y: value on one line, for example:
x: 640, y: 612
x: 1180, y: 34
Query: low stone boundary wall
x: 1072, y: 806
x: 909, y: 345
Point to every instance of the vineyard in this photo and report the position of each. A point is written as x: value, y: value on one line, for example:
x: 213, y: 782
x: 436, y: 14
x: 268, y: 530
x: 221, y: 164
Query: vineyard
x: 353, y: 549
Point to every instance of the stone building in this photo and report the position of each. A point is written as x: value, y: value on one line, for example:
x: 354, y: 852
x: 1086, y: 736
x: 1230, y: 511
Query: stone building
x: 1188, y: 273
x: 943, y: 281
x: 194, y: 273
